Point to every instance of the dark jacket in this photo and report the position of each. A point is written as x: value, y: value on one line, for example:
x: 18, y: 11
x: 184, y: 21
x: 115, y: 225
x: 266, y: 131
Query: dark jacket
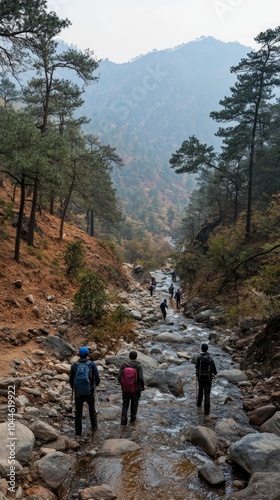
x: 137, y: 365
x: 95, y: 375
x: 204, y: 361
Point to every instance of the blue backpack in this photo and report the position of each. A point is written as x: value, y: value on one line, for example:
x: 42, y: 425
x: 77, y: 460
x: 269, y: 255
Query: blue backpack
x: 83, y: 379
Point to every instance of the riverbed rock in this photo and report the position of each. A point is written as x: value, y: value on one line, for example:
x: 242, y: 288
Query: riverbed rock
x: 7, y: 382
x: 262, y: 486
x: 44, y: 431
x: 262, y: 414
x: 212, y: 474
x: 37, y: 492
x: 234, y: 376
x: 116, y: 447
x: 168, y: 337
x: 206, y: 439
x: 272, y: 425
x: 103, y: 492
x: 53, y: 469
x: 257, y: 453
x: 256, y: 402
x: 166, y: 380
x: 24, y: 442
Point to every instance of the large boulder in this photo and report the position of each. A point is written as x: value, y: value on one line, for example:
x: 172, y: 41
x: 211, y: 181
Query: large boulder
x: 61, y: 349
x: 262, y: 486
x: 272, y: 425
x: 167, y: 380
x: 117, y: 447
x: 22, y: 444
x: 206, y: 439
x: 44, y: 431
x: 54, y: 468
x: 257, y: 453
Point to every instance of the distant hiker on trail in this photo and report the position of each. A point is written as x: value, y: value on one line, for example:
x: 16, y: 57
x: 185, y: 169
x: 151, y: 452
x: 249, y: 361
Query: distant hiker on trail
x: 205, y: 370
x: 178, y: 296
x: 151, y: 289
x: 131, y: 379
x: 163, y: 307
x: 171, y: 291
x: 83, y: 378
x: 153, y: 280
x: 173, y: 275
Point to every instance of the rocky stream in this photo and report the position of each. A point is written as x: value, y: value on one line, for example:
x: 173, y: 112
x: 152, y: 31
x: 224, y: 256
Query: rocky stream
x: 171, y: 452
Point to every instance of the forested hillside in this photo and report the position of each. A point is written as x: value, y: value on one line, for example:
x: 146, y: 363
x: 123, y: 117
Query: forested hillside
x: 146, y: 107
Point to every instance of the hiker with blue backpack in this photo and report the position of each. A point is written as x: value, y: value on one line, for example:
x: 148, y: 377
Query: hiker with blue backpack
x: 84, y: 377
x: 131, y: 379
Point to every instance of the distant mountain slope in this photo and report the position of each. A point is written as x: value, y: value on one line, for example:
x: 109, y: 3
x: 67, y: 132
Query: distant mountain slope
x: 147, y: 107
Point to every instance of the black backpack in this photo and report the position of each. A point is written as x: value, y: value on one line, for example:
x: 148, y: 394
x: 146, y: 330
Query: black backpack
x: 205, y: 367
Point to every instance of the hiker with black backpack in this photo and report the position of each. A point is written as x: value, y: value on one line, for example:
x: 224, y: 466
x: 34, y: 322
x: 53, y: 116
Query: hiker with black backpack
x: 205, y: 370
x: 84, y: 377
x: 131, y: 379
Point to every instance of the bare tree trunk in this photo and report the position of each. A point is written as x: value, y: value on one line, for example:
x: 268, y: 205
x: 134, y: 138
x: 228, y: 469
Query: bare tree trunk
x: 20, y: 217
x: 32, y: 220
x: 67, y: 201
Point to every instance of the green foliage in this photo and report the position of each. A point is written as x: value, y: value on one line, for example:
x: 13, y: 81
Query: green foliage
x: 121, y: 315
x: 91, y: 299
x: 110, y: 247
x: 74, y: 258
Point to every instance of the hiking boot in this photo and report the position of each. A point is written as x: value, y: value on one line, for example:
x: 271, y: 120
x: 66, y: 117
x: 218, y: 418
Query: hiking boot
x: 133, y: 419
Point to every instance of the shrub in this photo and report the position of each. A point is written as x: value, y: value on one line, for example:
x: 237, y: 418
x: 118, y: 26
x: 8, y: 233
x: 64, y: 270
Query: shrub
x: 74, y: 258
x: 91, y: 299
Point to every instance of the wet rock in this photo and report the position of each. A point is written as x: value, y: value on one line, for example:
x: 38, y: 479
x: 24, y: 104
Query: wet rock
x: 44, y: 431
x: 212, y: 474
x: 166, y: 381
x: 116, y: 447
x: 257, y: 453
x: 262, y: 486
x: 206, y: 439
x: 234, y: 376
x: 102, y: 492
x: 272, y: 425
x: 262, y: 414
x: 23, y: 444
x: 53, y: 469
x: 168, y: 337
x: 228, y: 428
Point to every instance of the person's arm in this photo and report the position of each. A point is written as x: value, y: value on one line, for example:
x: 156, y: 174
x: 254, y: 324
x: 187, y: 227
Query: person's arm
x: 72, y: 376
x: 96, y: 374
x: 120, y: 373
x: 141, y: 378
x: 214, y: 370
x: 197, y: 366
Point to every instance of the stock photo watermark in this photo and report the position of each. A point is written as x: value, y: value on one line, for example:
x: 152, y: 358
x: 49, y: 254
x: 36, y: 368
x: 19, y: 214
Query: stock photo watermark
x: 11, y: 438
x: 223, y: 7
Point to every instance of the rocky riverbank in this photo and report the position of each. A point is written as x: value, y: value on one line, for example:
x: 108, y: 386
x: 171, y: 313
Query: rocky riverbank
x: 49, y: 463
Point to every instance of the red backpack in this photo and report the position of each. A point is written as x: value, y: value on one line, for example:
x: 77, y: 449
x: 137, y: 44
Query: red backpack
x: 129, y: 379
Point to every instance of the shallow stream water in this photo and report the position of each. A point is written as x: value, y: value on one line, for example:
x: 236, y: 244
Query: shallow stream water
x: 166, y: 467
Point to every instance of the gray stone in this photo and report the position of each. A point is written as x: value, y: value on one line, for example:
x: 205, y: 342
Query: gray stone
x: 272, y: 425
x: 44, y: 431
x: 257, y: 453
x: 116, y: 447
x: 53, y: 468
x: 212, y: 474
x: 58, y: 347
x: 23, y: 443
x: 262, y: 486
x: 206, y: 439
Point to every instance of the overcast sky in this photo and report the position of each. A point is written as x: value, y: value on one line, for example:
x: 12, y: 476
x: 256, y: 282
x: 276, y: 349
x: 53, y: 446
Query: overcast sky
x: 123, y: 29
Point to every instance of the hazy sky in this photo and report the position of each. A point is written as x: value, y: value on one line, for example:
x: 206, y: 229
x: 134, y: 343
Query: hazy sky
x: 123, y: 29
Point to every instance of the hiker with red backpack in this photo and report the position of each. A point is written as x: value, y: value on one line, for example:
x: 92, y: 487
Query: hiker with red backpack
x: 205, y: 370
x: 84, y: 376
x: 131, y: 379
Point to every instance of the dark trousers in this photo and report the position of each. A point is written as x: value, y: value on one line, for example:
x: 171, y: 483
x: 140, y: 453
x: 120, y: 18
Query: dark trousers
x: 131, y: 398
x: 204, y: 389
x: 79, y: 401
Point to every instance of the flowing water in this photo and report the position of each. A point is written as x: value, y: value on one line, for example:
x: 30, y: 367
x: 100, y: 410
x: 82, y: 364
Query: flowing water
x: 166, y: 467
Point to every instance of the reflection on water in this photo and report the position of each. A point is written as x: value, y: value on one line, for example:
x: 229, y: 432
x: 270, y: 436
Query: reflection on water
x: 167, y: 466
